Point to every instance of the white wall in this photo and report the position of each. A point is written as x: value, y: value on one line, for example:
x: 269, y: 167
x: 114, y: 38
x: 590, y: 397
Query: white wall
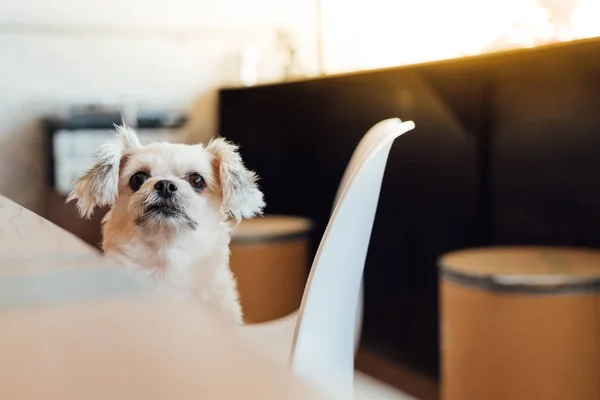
x: 54, y: 54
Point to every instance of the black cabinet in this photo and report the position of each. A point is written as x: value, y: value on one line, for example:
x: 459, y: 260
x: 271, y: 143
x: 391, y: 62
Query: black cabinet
x: 506, y: 150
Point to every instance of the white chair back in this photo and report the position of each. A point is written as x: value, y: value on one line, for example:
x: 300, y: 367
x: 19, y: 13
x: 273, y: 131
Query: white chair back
x: 371, y: 138
x: 323, y: 345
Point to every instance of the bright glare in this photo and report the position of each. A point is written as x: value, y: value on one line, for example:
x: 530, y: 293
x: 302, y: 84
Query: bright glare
x: 365, y: 34
x: 586, y: 19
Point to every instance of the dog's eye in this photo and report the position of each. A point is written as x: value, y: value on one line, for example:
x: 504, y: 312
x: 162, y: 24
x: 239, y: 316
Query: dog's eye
x: 137, y: 180
x: 196, y: 181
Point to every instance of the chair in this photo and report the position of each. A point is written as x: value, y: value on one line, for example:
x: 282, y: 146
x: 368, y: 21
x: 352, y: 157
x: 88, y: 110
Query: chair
x: 319, y: 340
x: 373, y: 136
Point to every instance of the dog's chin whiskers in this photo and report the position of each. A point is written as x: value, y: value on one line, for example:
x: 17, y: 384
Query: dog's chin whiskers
x: 155, y: 217
x: 191, y: 224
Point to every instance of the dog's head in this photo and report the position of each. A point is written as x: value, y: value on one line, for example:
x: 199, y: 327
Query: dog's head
x: 168, y: 185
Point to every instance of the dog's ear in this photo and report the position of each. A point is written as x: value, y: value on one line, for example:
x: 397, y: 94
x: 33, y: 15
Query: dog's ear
x: 241, y: 195
x: 99, y: 185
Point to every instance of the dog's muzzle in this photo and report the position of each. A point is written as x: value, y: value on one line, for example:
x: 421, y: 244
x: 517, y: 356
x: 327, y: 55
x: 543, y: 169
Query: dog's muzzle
x: 166, y: 208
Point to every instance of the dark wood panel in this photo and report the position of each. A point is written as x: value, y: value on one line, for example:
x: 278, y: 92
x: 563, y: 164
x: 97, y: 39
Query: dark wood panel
x: 546, y: 153
x: 505, y: 151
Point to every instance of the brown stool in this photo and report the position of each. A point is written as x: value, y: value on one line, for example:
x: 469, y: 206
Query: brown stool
x: 269, y: 257
x: 520, y: 323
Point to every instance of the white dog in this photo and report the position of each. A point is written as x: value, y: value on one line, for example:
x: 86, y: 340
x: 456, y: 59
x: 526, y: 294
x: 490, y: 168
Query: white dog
x: 170, y: 211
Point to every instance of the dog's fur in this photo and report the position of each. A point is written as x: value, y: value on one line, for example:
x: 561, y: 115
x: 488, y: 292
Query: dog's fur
x: 184, y: 247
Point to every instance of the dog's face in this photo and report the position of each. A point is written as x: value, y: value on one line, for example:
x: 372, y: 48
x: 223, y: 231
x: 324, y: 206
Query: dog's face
x: 165, y: 185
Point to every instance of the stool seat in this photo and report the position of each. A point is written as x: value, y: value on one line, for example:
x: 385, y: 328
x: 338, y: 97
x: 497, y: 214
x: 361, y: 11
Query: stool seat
x: 525, y: 268
x: 520, y: 323
x: 270, y: 228
x: 270, y: 260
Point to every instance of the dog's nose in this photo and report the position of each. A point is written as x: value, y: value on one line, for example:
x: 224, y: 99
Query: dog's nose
x: 165, y: 188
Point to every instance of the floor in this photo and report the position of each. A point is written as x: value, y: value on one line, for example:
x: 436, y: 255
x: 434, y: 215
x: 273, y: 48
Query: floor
x: 379, y: 377
x: 368, y: 388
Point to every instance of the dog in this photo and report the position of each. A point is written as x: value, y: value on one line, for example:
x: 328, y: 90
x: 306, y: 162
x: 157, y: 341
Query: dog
x: 172, y: 209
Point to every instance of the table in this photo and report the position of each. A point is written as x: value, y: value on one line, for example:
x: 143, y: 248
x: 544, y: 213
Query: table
x: 75, y: 326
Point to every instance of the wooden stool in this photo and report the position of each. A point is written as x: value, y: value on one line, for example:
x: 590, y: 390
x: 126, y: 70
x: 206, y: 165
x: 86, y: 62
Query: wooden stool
x: 520, y: 323
x: 269, y: 257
